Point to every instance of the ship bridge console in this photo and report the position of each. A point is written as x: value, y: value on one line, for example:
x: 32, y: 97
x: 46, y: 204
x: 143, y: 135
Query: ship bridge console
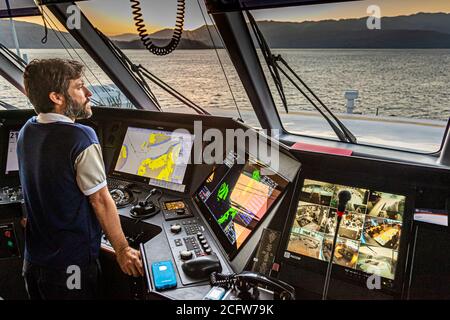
x: 219, y: 221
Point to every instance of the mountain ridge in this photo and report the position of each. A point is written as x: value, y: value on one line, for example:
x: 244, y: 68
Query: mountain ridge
x: 420, y: 30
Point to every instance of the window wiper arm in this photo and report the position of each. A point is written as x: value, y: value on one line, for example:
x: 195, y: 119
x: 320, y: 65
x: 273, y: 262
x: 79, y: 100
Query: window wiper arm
x: 342, y: 132
x: 271, y: 63
x: 347, y: 133
x: 12, y: 56
x: 141, y: 72
x: 7, y: 106
x: 183, y: 99
x: 339, y: 133
x: 129, y: 65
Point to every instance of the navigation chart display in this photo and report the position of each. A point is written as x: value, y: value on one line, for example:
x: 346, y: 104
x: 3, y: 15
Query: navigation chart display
x: 238, y: 196
x: 368, y: 235
x: 161, y: 157
x: 12, y: 164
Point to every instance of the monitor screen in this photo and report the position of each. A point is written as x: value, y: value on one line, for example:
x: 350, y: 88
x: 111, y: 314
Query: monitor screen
x: 156, y: 157
x: 12, y: 164
x: 235, y: 198
x: 369, y: 233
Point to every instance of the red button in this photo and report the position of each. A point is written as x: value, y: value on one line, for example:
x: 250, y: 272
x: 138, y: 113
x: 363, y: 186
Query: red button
x: 8, y: 234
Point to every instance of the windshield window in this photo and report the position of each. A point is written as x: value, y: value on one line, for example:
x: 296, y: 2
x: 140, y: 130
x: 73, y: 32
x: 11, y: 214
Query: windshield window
x: 29, y: 32
x: 11, y: 97
x: 193, y: 69
x: 386, y: 79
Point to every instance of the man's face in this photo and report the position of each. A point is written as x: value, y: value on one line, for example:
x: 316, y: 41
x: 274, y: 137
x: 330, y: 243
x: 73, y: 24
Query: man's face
x: 77, y: 102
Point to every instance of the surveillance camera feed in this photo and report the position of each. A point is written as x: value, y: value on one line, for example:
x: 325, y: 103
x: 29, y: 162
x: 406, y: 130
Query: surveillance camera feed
x: 159, y: 157
x: 238, y: 196
x: 368, y: 235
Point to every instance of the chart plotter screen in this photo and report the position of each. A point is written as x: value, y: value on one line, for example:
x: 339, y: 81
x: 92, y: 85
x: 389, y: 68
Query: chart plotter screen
x: 237, y: 197
x: 156, y: 157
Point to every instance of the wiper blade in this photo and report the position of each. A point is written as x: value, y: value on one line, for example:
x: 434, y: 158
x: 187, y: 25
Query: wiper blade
x: 341, y: 131
x: 13, y: 57
x: 271, y: 63
x: 348, y: 134
x: 130, y: 66
x: 146, y: 73
x: 7, y: 106
x: 141, y: 72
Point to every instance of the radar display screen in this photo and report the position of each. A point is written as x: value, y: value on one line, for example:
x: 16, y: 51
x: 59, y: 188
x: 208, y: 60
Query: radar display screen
x: 156, y: 157
x: 237, y: 197
x: 368, y: 235
x: 12, y: 164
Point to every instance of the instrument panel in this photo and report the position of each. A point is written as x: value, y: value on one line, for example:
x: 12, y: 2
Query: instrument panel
x: 219, y: 211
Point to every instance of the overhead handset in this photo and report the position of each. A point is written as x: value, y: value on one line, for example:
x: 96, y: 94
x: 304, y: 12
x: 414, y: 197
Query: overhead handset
x: 248, y: 284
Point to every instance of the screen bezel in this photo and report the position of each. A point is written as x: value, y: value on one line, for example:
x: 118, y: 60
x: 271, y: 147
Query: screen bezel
x: 346, y: 273
x: 230, y: 249
x: 144, y: 180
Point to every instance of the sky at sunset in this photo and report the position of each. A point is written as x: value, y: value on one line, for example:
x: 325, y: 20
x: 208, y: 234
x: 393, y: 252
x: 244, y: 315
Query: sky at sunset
x: 114, y: 16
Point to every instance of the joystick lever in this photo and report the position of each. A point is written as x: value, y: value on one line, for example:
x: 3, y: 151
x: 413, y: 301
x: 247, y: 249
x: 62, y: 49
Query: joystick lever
x: 144, y: 209
x: 147, y: 208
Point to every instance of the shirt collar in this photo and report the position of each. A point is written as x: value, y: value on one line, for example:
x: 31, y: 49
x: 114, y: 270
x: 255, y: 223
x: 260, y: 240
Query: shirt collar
x: 53, y: 117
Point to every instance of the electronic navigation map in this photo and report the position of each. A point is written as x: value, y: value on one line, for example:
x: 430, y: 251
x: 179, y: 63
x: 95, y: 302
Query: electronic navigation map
x: 155, y: 154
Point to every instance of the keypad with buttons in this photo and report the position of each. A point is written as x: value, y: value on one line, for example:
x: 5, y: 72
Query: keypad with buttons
x: 189, y: 239
x: 191, y: 227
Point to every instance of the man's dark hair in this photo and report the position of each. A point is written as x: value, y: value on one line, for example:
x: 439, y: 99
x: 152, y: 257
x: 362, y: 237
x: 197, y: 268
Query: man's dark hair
x: 43, y: 76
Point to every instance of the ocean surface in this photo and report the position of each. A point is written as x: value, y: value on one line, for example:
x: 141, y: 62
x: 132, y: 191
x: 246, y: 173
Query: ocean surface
x: 398, y: 89
x: 391, y: 82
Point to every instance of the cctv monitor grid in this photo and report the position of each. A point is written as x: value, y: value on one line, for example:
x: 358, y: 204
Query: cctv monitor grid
x: 368, y: 236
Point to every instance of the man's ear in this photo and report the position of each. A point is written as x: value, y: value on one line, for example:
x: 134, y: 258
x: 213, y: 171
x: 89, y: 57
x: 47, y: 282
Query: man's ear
x: 57, y: 99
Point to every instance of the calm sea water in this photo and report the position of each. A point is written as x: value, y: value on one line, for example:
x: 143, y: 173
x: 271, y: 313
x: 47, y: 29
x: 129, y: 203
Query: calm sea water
x: 406, y: 83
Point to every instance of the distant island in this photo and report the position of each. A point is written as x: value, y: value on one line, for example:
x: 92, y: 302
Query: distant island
x: 421, y: 30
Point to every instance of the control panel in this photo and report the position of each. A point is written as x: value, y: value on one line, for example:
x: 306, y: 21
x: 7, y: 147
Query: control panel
x: 175, y: 209
x: 8, y: 242
x: 189, y: 240
x: 121, y: 193
x: 10, y: 195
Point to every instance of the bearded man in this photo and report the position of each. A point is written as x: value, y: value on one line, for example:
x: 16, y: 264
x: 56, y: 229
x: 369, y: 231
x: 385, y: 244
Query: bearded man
x: 64, y: 185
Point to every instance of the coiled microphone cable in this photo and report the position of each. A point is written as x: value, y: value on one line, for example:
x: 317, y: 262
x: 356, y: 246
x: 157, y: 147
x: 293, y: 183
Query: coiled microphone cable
x: 145, y: 38
x: 226, y: 281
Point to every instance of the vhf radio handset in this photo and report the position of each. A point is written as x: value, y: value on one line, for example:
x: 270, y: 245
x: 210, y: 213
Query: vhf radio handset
x: 247, y: 280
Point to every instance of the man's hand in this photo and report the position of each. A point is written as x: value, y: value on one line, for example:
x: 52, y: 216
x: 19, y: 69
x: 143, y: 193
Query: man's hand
x: 105, y: 209
x: 130, y: 261
x: 23, y: 222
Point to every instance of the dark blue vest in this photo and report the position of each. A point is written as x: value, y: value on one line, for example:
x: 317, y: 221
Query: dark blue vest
x: 62, y: 228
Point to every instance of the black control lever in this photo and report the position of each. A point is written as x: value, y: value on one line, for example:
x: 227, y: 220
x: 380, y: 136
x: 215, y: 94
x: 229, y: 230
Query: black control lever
x: 144, y: 209
x: 147, y: 208
x: 202, y: 267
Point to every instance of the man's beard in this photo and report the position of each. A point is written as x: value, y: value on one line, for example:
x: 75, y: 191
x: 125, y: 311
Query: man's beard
x: 75, y: 110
